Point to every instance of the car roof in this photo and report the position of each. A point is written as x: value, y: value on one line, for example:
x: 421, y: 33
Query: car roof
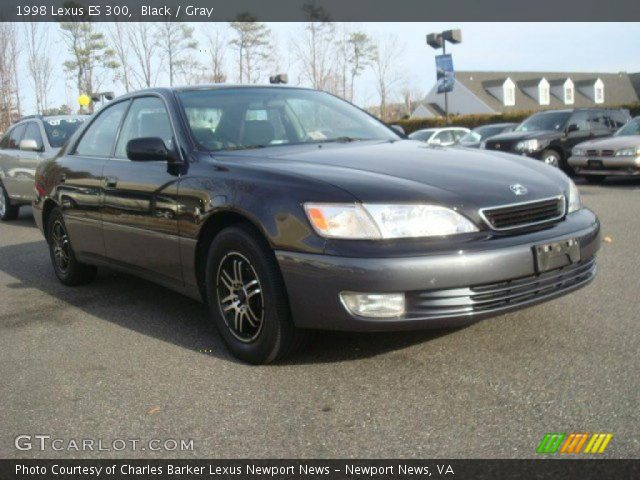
x: 28, y: 118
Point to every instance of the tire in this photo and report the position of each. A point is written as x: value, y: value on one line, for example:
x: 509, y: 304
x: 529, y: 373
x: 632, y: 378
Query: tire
x: 552, y: 158
x: 8, y: 212
x: 68, y: 269
x: 247, y: 299
x: 595, y: 179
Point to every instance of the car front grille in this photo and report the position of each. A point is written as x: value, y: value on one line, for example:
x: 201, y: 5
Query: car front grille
x: 502, y: 146
x: 600, y: 153
x: 526, y: 214
x: 501, y: 295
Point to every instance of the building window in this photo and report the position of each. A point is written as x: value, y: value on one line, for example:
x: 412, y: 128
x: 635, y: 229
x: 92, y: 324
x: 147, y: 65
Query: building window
x: 599, y: 94
x: 544, y: 95
x: 509, y: 95
x: 568, y: 94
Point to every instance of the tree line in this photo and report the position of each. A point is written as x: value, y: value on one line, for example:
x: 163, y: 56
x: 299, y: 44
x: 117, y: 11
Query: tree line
x: 325, y: 55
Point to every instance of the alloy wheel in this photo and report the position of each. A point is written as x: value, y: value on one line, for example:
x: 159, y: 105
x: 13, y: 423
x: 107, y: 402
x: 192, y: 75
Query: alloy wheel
x: 61, y: 246
x: 240, y: 297
x: 551, y: 160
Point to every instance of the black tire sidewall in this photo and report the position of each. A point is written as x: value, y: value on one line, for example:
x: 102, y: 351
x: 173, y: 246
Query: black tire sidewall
x: 11, y: 212
x: 277, y: 327
x: 77, y: 272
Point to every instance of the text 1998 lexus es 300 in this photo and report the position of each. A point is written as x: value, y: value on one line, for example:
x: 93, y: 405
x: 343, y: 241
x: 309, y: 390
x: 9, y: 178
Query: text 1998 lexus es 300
x: 287, y: 209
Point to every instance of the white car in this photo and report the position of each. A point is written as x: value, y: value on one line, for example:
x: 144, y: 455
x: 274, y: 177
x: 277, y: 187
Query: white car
x: 445, y: 136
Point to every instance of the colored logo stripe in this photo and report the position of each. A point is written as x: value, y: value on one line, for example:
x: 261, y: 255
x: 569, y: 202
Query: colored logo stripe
x: 550, y: 443
x: 572, y: 443
x: 598, y: 442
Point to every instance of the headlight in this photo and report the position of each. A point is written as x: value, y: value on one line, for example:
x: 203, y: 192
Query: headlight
x: 578, y: 152
x: 382, y: 221
x: 628, y: 152
x: 529, y: 145
x: 573, y: 202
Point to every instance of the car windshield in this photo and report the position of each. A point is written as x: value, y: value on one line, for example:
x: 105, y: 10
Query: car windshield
x: 58, y: 130
x: 241, y: 118
x: 548, y: 121
x: 631, y: 128
x: 480, y: 133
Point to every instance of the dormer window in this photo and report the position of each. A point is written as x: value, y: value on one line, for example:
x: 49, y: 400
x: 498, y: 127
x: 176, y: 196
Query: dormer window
x: 598, y: 91
x: 568, y: 92
x: 509, y: 92
x: 544, y: 97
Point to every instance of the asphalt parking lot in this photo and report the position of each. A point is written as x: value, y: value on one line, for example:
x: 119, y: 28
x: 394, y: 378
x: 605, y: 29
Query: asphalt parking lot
x: 123, y: 358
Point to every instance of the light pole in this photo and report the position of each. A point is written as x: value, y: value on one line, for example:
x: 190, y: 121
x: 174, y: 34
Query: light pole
x: 439, y: 40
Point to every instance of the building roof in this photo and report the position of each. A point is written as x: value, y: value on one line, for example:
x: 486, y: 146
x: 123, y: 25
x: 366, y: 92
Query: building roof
x: 635, y: 80
x: 618, y: 88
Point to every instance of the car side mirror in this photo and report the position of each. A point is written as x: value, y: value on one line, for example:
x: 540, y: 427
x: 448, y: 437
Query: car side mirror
x: 147, y: 149
x: 29, y: 145
x: 572, y: 128
x: 435, y: 141
x: 398, y: 129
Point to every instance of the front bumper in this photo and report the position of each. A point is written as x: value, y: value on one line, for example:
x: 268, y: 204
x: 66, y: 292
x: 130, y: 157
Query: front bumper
x: 442, y: 290
x: 620, y: 166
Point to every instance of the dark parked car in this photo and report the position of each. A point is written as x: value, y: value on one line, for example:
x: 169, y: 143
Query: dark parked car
x: 22, y: 148
x: 475, y: 137
x: 549, y: 136
x: 288, y: 209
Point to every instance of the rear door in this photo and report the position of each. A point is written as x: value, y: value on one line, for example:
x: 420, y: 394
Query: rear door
x: 10, y: 161
x: 81, y: 182
x: 580, y: 130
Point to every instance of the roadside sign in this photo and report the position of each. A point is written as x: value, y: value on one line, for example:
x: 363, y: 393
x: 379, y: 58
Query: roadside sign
x: 445, y: 76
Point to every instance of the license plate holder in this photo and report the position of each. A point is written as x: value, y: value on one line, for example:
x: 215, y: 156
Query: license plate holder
x: 550, y: 256
x: 595, y: 164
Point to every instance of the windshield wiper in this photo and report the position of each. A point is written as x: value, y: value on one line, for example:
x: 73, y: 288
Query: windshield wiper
x: 344, y: 139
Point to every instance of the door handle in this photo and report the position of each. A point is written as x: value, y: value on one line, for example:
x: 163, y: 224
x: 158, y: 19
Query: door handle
x: 110, y: 182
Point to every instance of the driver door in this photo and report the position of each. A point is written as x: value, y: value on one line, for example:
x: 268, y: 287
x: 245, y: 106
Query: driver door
x: 140, y: 201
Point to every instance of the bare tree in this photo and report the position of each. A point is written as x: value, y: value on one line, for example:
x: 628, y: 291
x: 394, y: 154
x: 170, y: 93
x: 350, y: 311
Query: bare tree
x: 9, y: 94
x: 362, y: 52
x: 386, y: 59
x: 91, y: 58
x: 411, y: 95
x: 144, y: 49
x: 216, y: 43
x: 252, y: 40
x: 39, y: 63
x: 119, y: 38
x: 175, y: 40
x: 315, y: 48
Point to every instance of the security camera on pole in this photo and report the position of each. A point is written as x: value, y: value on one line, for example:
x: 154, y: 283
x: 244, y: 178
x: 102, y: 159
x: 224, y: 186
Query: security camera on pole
x: 444, y: 64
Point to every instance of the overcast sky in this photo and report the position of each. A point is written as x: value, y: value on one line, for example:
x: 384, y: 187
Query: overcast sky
x: 598, y: 47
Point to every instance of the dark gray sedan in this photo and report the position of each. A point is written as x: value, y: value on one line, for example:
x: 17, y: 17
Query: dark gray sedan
x: 288, y: 209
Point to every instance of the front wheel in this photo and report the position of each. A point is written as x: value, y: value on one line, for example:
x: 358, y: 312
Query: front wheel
x: 246, y: 297
x: 7, y: 211
x: 68, y: 269
x: 551, y: 157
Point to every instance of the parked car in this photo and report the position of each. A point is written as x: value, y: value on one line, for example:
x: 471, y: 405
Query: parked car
x: 550, y: 135
x: 444, y: 137
x: 618, y: 155
x: 22, y: 147
x: 291, y: 209
x: 475, y: 137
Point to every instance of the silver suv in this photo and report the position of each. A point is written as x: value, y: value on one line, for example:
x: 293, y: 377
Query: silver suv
x: 22, y: 147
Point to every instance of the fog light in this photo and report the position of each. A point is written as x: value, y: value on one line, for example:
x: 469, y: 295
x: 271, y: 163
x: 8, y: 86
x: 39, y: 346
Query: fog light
x: 374, y: 305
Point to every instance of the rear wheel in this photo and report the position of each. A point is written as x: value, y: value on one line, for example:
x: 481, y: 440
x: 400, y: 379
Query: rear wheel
x: 7, y: 211
x: 247, y: 299
x: 596, y: 179
x: 68, y: 269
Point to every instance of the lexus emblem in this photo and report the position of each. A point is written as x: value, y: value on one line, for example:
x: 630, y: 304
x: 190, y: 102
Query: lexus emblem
x: 518, y: 189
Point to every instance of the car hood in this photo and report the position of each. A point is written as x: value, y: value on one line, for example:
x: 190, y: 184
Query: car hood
x: 410, y: 171
x: 612, y: 143
x: 519, y: 136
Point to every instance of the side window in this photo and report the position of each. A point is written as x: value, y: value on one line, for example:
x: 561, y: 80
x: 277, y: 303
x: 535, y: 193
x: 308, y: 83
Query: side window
x: 33, y: 133
x: 147, y: 117
x: 99, y: 138
x: 445, y: 137
x: 16, y: 135
x: 581, y: 120
x: 619, y: 118
x: 4, y: 143
x: 458, y: 134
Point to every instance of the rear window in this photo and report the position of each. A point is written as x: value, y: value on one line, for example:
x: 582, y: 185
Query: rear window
x: 59, y: 130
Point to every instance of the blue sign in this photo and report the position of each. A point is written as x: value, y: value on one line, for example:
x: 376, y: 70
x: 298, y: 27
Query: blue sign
x: 445, y: 77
